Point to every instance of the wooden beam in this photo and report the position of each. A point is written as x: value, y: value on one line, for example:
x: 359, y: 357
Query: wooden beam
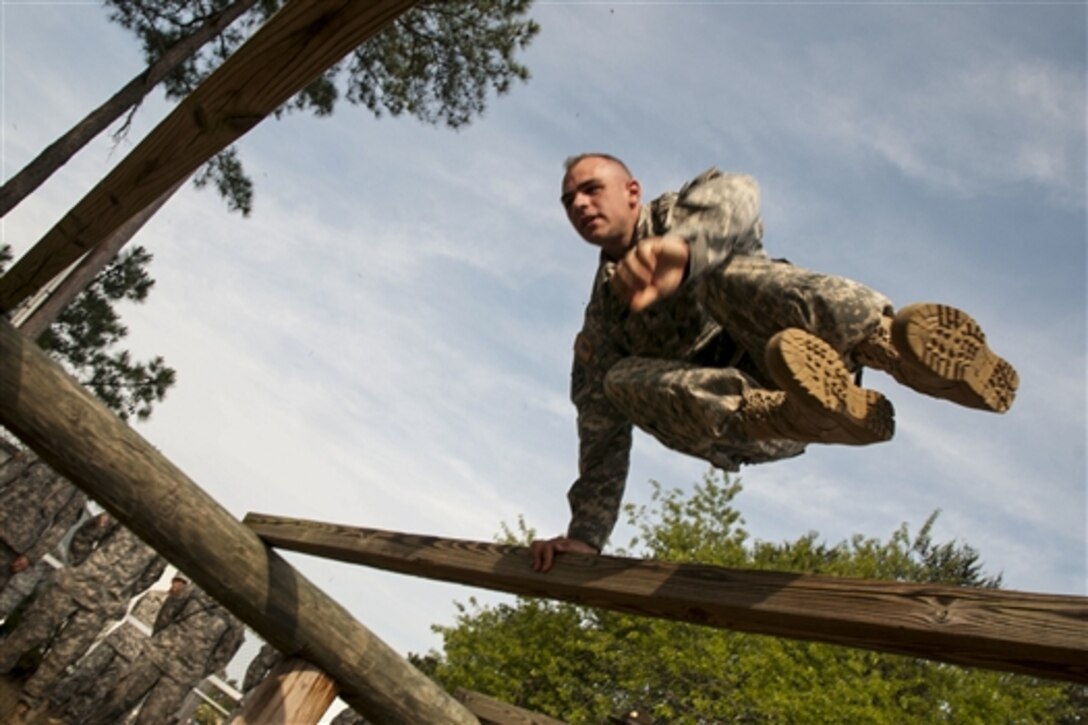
x: 35, y: 320
x: 1045, y: 635
x: 496, y: 712
x: 82, y: 440
x: 295, y: 46
x: 293, y: 692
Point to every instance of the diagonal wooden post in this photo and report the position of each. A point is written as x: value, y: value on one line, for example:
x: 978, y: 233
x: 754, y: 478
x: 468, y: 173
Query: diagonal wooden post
x: 81, y: 439
x: 295, y: 46
x: 1045, y: 635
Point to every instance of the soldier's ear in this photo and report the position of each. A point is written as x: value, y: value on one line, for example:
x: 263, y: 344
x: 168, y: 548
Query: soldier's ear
x: 634, y: 192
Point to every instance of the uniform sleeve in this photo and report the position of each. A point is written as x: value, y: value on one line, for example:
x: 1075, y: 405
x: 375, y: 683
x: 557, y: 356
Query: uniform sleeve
x: 65, y: 519
x: 604, y: 443
x: 86, y: 538
x: 718, y: 215
x: 151, y: 573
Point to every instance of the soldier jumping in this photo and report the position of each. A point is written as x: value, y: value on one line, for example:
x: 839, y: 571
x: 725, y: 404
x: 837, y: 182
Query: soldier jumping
x: 693, y: 334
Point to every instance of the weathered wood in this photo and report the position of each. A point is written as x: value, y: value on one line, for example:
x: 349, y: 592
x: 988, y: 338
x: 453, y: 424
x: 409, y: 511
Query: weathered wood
x: 295, y: 46
x: 56, y: 154
x: 496, y: 712
x: 81, y: 439
x: 1045, y: 635
x: 294, y: 692
x: 35, y: 320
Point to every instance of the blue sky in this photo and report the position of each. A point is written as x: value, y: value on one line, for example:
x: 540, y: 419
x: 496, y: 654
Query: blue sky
x: 386, y: 341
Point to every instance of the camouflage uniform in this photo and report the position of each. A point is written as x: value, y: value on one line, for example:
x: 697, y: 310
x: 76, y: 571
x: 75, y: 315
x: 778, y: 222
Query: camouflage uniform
x: 77, y: 695
x: 259, y: 668
x: 678, y: 369
x: 37, y: 508
x: 192, y: 640
x: 79, y: 602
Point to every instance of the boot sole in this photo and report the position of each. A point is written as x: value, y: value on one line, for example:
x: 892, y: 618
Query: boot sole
x: 944, y: 354
x: 813, y: 374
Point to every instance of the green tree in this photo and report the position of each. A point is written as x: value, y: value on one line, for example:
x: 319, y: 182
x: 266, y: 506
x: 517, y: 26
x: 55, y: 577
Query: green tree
x: 86, y: 336
x: 583, y: 665
x: 437, y: 62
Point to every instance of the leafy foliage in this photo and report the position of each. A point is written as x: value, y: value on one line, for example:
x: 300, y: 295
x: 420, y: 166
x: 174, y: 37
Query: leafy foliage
x: 85, y: 336
x: 584, y: 665
x: 437, y: 62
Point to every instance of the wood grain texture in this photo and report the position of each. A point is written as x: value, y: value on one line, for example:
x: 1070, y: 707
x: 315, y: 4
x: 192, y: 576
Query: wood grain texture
x: 293, y: 692
x: 295, y: 46
x: 496, y: 712
x: 81, y: 439
x: 1045, y: 635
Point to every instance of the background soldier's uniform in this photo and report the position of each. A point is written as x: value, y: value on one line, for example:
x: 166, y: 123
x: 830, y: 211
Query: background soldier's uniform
x: 680, y: 368
x: 259, y: 668
x: 191, y: 641
x: 76, y: 696
x: 37, y: 508
x: 80, y: 601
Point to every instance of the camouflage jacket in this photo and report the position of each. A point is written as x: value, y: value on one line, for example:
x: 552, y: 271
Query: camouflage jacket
x: 37, y: 505
x: 718, y: 215
x: 260, y: 666
x: 200, y: 638
x: 121, y: 567
x: 129, y: 638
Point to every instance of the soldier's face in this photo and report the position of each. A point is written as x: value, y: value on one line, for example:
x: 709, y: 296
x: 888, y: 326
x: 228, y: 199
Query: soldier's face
x: 602, y: 203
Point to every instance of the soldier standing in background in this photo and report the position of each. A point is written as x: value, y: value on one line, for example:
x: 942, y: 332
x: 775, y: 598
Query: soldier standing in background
x: 80, y: 601
x: 37, y: 508
x: 194, y: 637
x: 75, y: 696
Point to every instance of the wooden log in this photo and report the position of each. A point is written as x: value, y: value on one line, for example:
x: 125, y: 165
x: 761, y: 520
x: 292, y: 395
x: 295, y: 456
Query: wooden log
x: 295, y: 46
x: 294, y: 692
x: 1045, y: 635
x: 81, y: 439
x: 496, y: 712
x: 36, y: 320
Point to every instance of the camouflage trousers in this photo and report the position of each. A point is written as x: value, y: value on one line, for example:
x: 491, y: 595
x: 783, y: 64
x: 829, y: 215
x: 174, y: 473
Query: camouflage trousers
x: 692, y: 408
x: 78, y: 694
x: 162, y: 695
x: 55, y: 615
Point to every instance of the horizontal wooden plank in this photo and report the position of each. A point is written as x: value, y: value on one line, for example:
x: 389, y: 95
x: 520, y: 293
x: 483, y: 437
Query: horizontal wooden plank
x: 1038, y: 634
x: 295, y: 46
x: 496, y: 712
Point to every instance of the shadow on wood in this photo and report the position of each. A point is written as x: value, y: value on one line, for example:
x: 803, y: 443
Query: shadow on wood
x: 1045, y: 635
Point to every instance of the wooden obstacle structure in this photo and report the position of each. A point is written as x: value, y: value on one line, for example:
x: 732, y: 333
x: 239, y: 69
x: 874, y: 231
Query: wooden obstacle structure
x: 329, y: 652
x: 1036, y: 634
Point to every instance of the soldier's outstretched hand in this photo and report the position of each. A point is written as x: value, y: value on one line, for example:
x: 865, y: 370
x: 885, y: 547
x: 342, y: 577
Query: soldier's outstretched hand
x: 542, y: 552
x: 652, y: 270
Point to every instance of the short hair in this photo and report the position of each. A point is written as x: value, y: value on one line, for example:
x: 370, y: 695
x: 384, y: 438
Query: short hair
x: 572, y: 160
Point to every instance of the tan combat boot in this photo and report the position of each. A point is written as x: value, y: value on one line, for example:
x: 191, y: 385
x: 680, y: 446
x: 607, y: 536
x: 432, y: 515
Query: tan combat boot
x: 941, y: 351
x: 819, y: 402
